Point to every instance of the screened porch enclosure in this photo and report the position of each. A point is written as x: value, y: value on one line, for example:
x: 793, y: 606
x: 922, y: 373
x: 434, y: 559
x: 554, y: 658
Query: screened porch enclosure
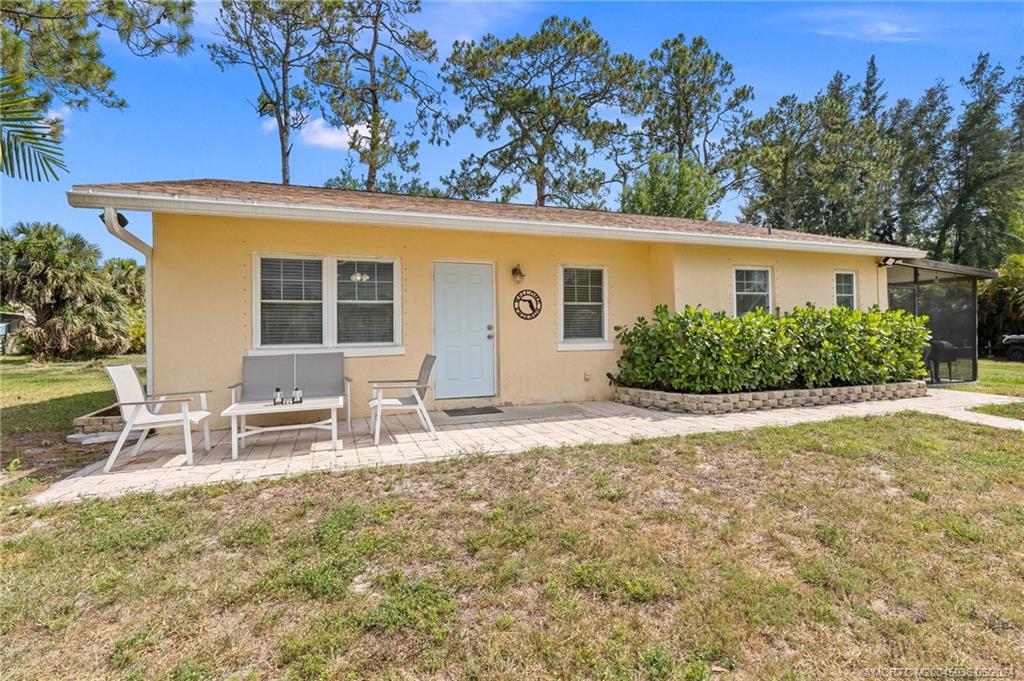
x: 948, y: 295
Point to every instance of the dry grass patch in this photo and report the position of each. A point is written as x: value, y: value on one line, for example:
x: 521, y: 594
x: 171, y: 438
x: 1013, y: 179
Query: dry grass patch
x: 814, y: 550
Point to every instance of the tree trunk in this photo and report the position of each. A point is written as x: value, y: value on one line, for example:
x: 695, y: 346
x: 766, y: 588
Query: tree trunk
x: 787, y: 204
x: 541, y: 182
x: 282, y: 135
x: 373, y: 157
x: 283, y: 129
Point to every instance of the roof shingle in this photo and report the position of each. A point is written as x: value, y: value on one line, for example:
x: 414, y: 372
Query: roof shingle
x: 351, y: 199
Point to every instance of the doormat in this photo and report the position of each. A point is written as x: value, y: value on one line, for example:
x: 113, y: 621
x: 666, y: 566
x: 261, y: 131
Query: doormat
x: 473, y: 411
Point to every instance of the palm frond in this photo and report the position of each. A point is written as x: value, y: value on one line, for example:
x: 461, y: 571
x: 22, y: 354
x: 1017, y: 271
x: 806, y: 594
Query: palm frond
x: 28, y: 148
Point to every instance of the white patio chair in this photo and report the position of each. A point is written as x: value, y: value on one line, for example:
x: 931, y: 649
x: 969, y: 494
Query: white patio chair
x: 141, y: 411
x: 416, y: 390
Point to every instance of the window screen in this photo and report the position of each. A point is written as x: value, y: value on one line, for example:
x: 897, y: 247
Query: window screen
x: 291, y: 301
x: 583, y: 304
x: 752, y: 290
x: 846, y: 289
x: 366, y: 301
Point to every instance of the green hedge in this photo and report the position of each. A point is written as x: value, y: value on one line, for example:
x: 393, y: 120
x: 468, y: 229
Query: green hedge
x: 698, y: 351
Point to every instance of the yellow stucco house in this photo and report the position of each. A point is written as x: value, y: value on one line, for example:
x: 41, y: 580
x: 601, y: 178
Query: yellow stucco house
x: 517, y: 302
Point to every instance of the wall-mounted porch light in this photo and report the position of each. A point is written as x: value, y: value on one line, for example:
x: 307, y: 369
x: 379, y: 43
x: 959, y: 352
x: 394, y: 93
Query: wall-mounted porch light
x: 518, y: 274
x: 888, y: 262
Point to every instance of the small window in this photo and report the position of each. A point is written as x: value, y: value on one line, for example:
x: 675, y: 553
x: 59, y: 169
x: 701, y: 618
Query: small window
x: 753, y: 290
x: 291, y: 301
x: 366, y: 302
x: 846, y: 290
x: 583, y: 301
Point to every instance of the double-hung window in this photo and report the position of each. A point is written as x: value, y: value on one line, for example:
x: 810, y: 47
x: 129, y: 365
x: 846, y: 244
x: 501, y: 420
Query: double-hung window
x: 753, y: 289
x: 584, y: 308
x: 328, y: 302
x: 846, y: 289
x: 291, y: 301
x: 366, y: 301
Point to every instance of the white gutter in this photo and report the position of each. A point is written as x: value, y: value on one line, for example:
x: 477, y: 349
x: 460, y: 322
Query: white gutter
x: 163, y: 203
x: 110, y: 220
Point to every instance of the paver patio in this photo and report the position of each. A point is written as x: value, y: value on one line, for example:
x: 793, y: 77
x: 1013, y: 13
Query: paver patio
x: 161, y: 464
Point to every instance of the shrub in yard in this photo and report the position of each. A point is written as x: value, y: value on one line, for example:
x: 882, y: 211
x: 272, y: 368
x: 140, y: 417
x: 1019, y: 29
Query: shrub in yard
x: 75, y: 308
x: 1001, y: 302
x: 699, y: 351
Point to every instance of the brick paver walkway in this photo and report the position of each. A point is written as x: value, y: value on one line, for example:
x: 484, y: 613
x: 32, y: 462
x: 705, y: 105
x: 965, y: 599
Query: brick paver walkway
x: 161, y: 465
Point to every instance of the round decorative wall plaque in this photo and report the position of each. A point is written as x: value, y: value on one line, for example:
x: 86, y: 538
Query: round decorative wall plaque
x: 527, y: 304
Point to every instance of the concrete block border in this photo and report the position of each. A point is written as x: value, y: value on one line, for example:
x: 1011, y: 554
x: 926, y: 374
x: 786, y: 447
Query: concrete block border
x: 102, y: 420
x: 690, y: 403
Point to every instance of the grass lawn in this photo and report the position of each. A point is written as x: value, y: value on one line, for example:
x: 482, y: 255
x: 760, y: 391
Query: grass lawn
x: 811, y: 551
x: 999, y: 377
x: 46, y: 397
x: 39, y: 401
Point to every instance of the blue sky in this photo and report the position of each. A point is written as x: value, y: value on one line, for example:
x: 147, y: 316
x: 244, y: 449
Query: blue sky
x: 187, y: 119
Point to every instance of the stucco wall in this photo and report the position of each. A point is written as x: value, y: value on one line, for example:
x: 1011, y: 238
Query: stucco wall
x: 202, y: 300
x: 203, y: 308
x: 704, y: 275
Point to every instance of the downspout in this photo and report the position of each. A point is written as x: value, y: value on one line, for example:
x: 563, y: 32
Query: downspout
x: 119, y: 232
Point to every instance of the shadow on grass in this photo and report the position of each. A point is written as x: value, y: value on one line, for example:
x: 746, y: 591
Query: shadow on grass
x: 51, y: 415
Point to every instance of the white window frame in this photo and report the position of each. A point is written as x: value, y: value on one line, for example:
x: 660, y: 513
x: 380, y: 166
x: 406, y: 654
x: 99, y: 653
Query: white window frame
x: 735, y: 293
x: 570, y: 345
x: 329, y: 309
x: 835, y: 289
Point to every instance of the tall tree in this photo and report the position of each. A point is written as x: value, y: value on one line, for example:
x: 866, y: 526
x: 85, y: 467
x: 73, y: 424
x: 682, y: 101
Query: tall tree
x: 824, y: 166
x: 987, y: 173
x: 872, y: 97
x: 128, y: 278
x: 1018, y: 106
x: 376, y: 61
x: 906, y: 174
x: 921, y: 131
x: 775, y: 159
x: 670, y: 187
x: 279, y: 40
x: 541, y: 101
x: 56, y: 278
x: 850, y: 178
x: 55, y: 44
x: 692, y: 109
x: 50, y: 49
x: 387, y: 182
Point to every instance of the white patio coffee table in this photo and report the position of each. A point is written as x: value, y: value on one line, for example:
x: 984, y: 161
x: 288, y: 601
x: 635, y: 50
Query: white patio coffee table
x: 240, y: 410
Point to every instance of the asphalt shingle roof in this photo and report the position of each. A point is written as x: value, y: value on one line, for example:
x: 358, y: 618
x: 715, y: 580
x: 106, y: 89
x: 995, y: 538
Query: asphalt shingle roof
x: 343, y: 198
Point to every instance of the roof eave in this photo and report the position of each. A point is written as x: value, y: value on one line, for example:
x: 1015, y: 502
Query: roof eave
x: 951, y: 268
x: 162, y: 203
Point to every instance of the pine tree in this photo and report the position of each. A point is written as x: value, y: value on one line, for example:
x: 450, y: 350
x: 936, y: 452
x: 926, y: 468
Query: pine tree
x: 376, y: 60
x: 541, y: 101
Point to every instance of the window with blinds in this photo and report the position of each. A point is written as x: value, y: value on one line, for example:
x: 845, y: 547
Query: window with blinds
x: 291, y: 301
x: 583, y: 302
x: 846, y: 289
x: 366, y: 301
x: 753, y: 290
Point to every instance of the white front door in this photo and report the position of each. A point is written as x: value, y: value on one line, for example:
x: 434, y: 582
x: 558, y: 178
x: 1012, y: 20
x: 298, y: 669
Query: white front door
x: 463, y: 330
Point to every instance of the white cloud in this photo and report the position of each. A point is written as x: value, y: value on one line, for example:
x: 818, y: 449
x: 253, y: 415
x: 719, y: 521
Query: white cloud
x: 62, y: 112
x: 204, y: 21
x: 875, y: 24
x: 471, y: 20
x: 317, y: 133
